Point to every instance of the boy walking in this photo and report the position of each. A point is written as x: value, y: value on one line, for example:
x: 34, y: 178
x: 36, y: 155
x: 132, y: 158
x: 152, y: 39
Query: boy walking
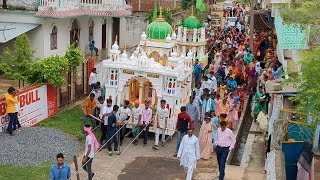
x: 160, y: 124
x: 145, y: 120
x: 184, y: 121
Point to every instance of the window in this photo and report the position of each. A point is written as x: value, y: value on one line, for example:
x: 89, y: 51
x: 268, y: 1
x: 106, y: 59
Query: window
x: 113, y: 77
x: 54, y: 38
x: 171, y: 85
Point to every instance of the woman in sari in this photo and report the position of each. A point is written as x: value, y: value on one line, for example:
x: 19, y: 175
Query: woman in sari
x: 205, y: 137
x: 223, y: 107
x: 217, y: 102
x: 259, y: 103
x: 306, y: 162
x: 252, y: 80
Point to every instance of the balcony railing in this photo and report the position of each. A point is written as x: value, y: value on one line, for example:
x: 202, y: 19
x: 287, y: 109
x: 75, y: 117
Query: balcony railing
x: 86, y: 4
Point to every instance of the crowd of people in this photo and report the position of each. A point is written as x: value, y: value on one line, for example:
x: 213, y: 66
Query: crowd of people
x: 216, y: 103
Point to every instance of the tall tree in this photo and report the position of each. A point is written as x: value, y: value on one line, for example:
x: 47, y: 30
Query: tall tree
x: 17, y: 63
x: 306, y: 12
x: 186, y: 4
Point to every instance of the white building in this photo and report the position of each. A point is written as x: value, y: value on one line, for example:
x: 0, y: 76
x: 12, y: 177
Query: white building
x: 52, y: 25
x: 156, y: 70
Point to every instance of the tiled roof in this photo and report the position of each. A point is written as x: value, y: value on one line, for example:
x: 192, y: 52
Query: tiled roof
x: 127, y: 6
x: 81, y: 12
x: 147, y: 5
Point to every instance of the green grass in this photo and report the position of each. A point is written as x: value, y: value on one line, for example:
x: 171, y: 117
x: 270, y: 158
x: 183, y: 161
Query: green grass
x: 68, y: 121
x: 41, y: 172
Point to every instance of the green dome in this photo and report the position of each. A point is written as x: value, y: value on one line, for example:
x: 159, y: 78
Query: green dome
x: 159, y: 29
x: 192, y: 22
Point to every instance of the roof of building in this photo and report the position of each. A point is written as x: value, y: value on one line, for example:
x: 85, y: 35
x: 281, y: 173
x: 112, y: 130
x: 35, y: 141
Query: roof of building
x: 279, y: 87
x: 81, y: 12
x: 10, y: 30
x: 148, y: 5
x: 159, y: 29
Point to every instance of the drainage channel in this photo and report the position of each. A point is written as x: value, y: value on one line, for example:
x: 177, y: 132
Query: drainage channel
x: 244, y: 132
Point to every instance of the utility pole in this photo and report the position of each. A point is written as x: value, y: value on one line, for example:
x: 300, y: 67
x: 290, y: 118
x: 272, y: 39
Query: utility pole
x: 252, y: 4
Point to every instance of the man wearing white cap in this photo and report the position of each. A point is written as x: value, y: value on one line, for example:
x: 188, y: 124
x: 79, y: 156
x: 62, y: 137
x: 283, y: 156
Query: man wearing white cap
x: 207, y: 83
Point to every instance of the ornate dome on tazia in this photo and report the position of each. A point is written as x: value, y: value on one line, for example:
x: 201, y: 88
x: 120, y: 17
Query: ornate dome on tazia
x: 158, y: 29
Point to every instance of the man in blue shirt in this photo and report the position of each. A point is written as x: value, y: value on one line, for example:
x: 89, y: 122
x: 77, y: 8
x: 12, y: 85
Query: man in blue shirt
x: 92, y: 47
x: 232, y: 84
x: 197, y: 68
x: 61, y: 170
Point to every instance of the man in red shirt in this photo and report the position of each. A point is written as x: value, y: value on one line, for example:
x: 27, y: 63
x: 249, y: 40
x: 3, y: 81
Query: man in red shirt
x: 183, y: 123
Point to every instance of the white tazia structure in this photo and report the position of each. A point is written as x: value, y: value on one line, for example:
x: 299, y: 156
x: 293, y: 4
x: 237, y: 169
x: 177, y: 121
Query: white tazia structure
x: 146, y: 76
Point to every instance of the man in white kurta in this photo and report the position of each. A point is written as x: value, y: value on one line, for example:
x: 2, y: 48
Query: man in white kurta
x: 189, y: 153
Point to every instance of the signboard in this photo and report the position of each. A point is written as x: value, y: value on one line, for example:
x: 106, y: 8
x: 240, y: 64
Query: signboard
x: 35, y: 105
x: 153, y: 75
x: 128, y: 72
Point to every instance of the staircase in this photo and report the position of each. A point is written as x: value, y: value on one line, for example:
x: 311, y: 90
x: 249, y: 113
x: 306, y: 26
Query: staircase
x: 206, y: 169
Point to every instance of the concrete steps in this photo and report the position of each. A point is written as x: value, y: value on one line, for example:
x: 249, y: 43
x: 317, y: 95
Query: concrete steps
x: 204, y: 176
x: 206, y: 169
x: 234, y: 173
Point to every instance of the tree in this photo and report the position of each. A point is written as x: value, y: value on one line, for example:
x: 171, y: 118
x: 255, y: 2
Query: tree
x: 309, y: 83
x: 74, y: 57
x: 186, y: 4
x: 166, y: 14
x: 17, y: 63
x: 306, y: 12
x: 303, y: 12
x: 52, y: 70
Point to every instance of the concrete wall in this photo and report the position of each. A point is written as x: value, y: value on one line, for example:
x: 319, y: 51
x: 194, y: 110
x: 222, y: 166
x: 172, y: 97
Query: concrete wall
x: 275, y: 166
x: 132, y: 28
x: 21, y: 4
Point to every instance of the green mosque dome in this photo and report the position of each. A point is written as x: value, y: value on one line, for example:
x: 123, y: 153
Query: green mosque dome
x: 159, y: 29
x: 192, y: 22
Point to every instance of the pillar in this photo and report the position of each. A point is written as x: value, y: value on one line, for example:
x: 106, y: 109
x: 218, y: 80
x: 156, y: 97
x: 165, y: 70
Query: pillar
x: 140, y: 93
x: 109, y: 34
x: 119, y: 97
x: 159, y: 99
x: 195, y: 35
x: 203, y: 34
x: 185, y: 34
x: 153, y: 96
x: 127, y: 91
x: 179, y: 33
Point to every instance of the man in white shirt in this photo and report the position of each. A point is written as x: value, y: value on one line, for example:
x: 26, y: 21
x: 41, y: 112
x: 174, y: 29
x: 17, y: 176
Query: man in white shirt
x: 160, y: 124
x: 124, y: 114
x: 207, y: 83
x: 88, y: 153
x: 93, y: 78
x: 136, y: 114
x: 146, y: 119
x: 189, y: 153
x: 214, y: 84
x: 104, y: 114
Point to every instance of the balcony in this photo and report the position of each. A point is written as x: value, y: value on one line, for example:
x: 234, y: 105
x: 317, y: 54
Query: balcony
x: 71, y: 8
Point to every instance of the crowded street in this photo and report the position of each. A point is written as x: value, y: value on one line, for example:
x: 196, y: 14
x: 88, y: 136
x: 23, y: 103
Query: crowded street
x: 159, y: 90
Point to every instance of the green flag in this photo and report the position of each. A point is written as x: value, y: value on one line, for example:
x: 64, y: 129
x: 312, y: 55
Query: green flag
x: 201, y: 6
